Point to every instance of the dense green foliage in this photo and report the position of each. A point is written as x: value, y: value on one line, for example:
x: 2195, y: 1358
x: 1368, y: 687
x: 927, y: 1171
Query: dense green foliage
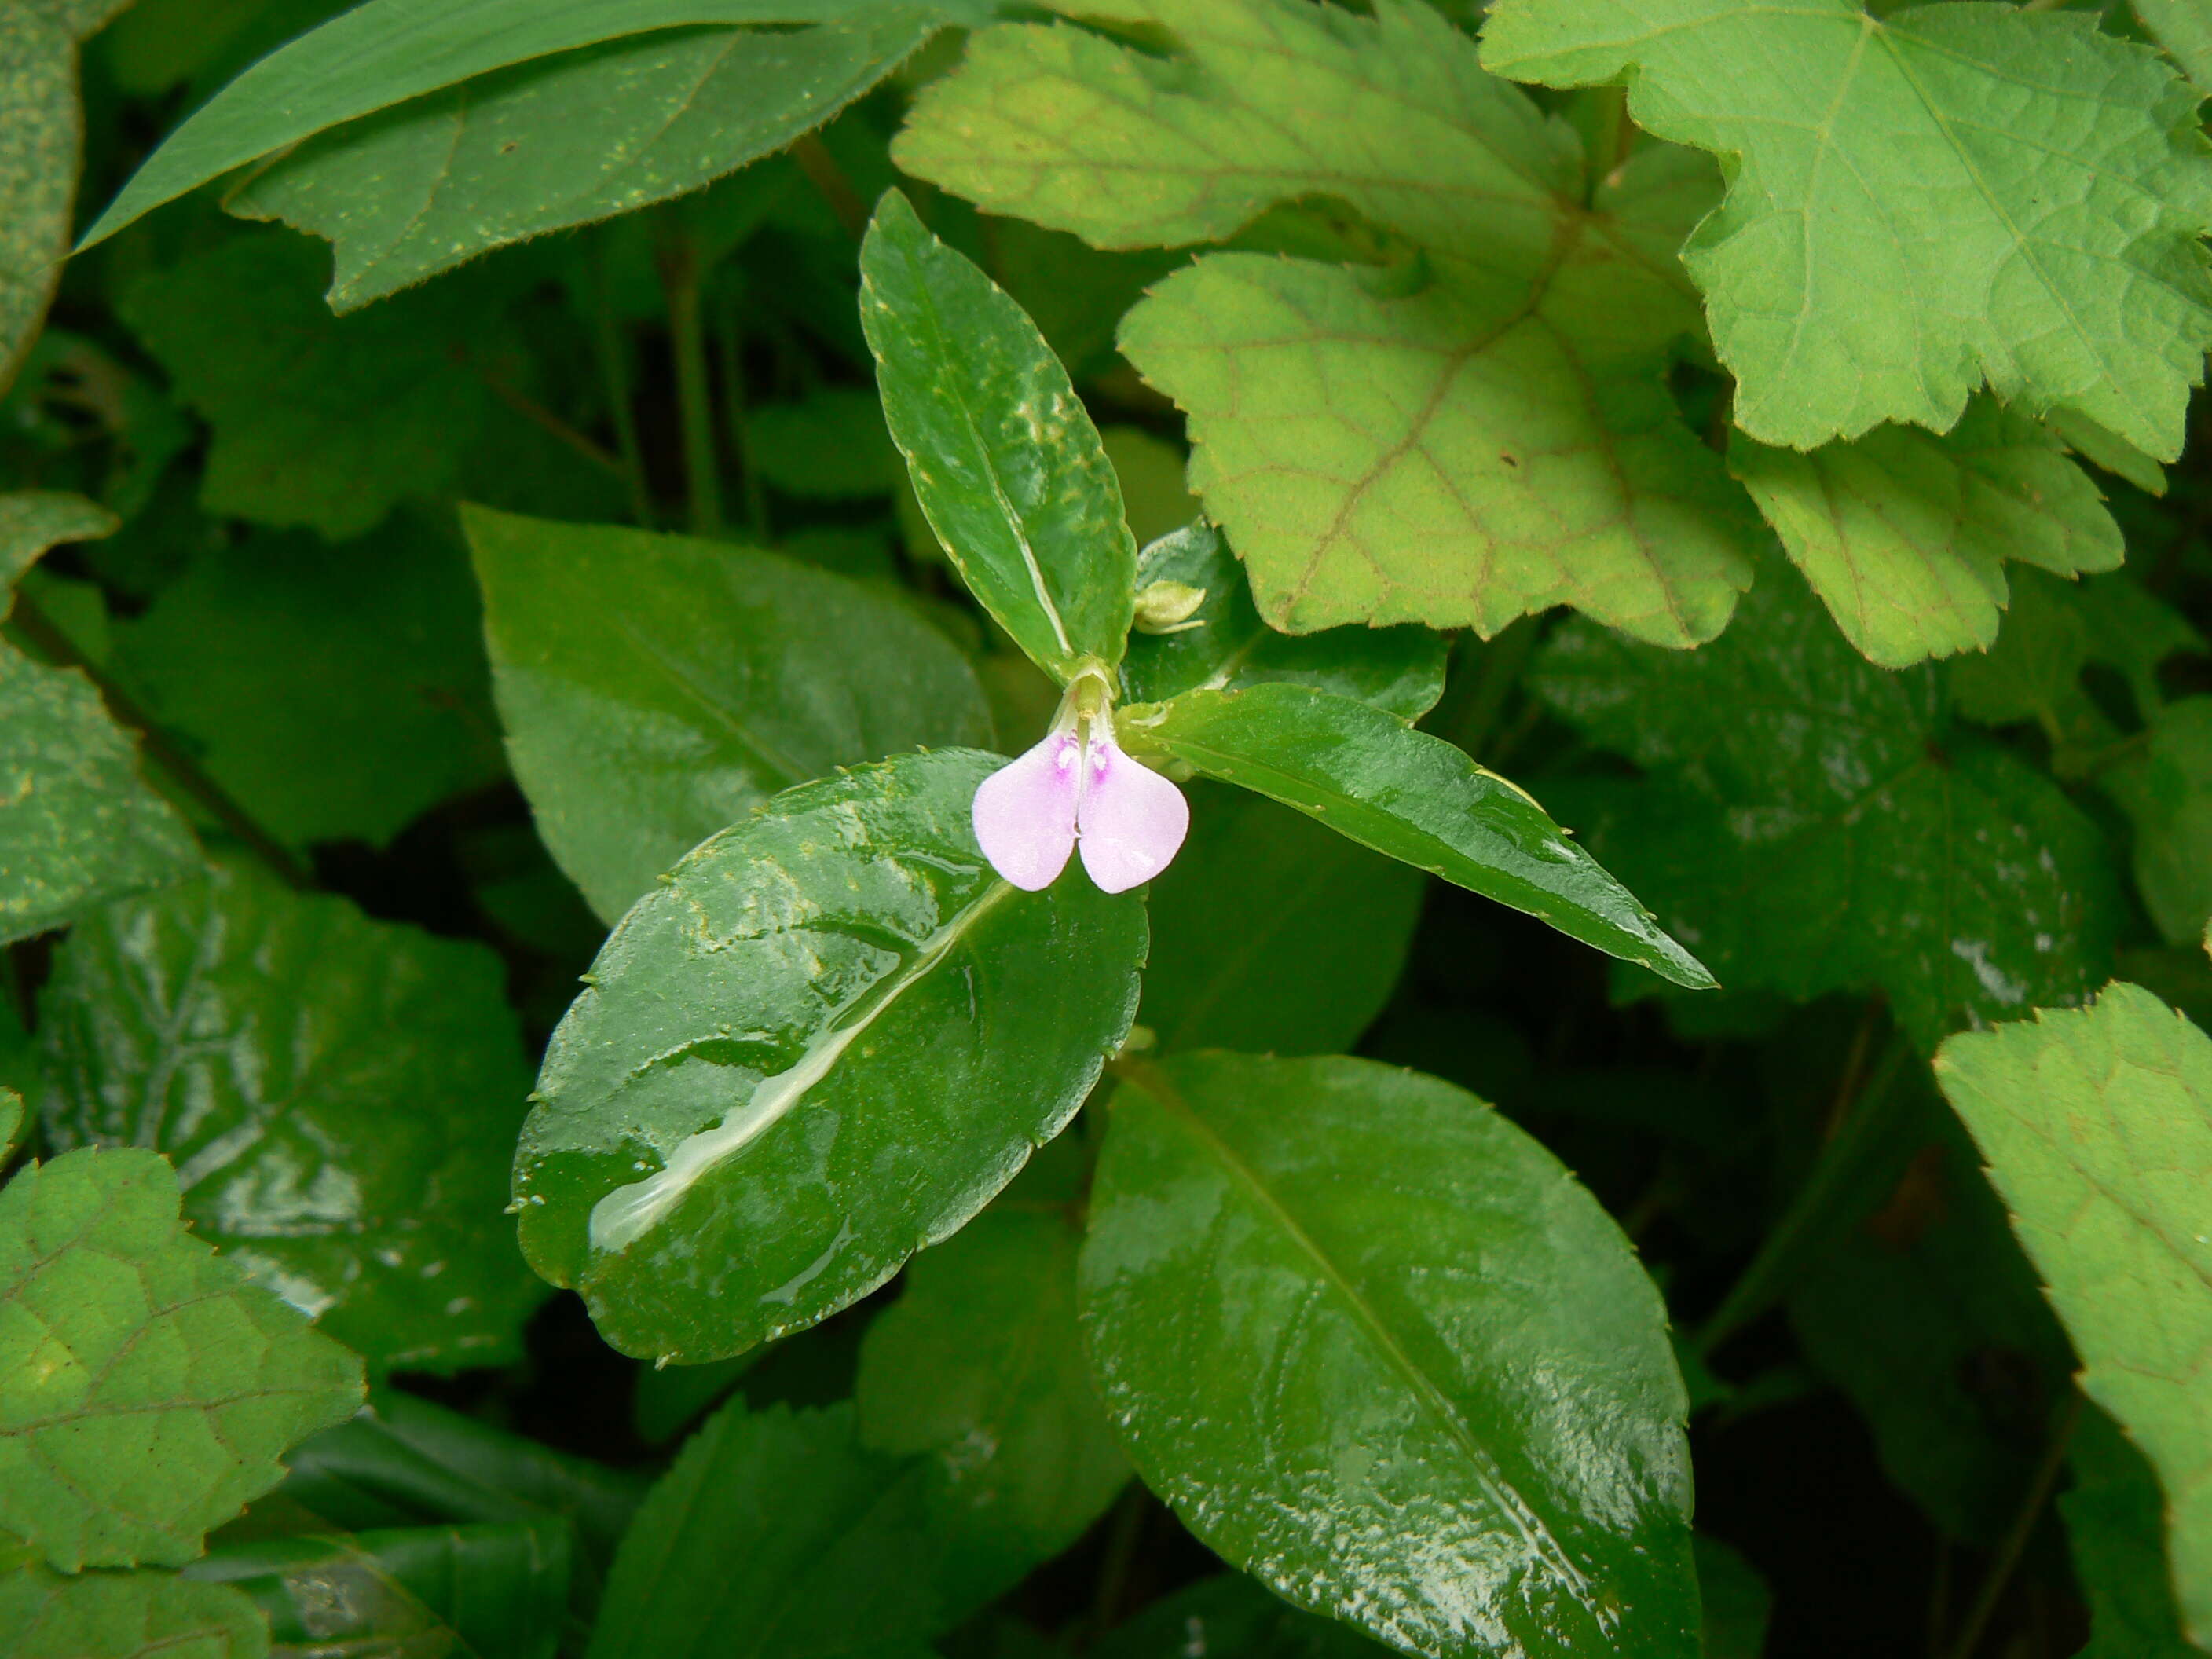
x: 1581, y: 1029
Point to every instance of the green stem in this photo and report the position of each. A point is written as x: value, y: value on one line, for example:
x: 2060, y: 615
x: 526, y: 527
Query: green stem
x: 45, y: 636
x: 680, y: 279
x: 1125, y: 1531
x: 2015, y: 1543
x: 823, y: 172
x: 614, y: 375
x: 1613, y: 138
x: 1503, y: 662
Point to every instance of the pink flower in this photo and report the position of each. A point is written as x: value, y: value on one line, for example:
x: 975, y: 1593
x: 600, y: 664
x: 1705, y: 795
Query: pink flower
x: 1078, y: 788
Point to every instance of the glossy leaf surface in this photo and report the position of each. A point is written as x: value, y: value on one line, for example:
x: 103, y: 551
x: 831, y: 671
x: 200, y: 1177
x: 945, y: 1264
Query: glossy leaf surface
x: 1926, y: 230
x: 824, y: 1044
x: 1289, y: 1323
x: 2097, y: 1125
x: 979, y: 1364
x: 1223, y: 646
x: 776, y: 1536
x: 152, y: 1388
x: 1414, y: 797
x: 338, y: 1095
x: 125, y: 1615
x: 1005, y: 460
x: 656, y: 689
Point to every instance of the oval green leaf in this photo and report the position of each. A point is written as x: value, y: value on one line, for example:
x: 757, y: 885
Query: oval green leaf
x: 1376, y: 1347
x: 1375, y: 779
x: 823, y: 1045
x: 1007, y: 466
x: 655, y: 688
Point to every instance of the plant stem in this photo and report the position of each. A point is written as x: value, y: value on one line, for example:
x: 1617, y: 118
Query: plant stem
x: 1125, y: 1531
x: 614, y: 375
x: 680, y: 277
x: 41, y: 631
x: 537, y: 414
x: 2022, y: 1528
x: 823, y: 172
x: 1504, y: 660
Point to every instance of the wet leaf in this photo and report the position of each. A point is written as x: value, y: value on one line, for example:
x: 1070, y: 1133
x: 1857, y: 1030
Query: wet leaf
x: 656, y: 689
x: 339, y: 1096
x: 152, y: 1388
x: 824, y: 1044
x: 1287, y: 1321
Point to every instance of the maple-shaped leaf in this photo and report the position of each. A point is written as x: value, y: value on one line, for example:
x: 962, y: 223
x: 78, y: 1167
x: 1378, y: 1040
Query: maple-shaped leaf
x: 1904, y: 532
x: 1474, y: 428
x: 1917, y: 203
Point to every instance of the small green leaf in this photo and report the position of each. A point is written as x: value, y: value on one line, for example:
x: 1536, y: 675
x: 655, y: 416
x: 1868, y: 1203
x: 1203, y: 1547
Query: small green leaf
x: 979, y: 1364
x: 2097, y: 1125
x: 1005, y: 460
x: 125, y: 1615
x: 266, y: 1041
x: 1833, y: 832
x: 823, y: 1045
x: 2166, y: 789
x: 491, y: 1591
x: 1286, y: 1321
x: 1927, y: 229
x: 334, y: 692
x: 1232, y: 1617
x: 387, y: 51
x: 655, y: 688
x: 2115, y: 1524
x: 1413, y: 797
x: 2052, y: 632
x: 419, y: 188
x: 1904, y: 534
x: 1223, y: 646
x: 318, y: 421
x: 831, y: 446
x: 776, y: 1536
x: 152, y: 1389
x: 1257, y: 897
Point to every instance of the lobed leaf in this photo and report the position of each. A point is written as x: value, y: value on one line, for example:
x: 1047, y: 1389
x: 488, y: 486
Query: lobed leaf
x: 1917, y: 202
x: 338, y: 1095
x: 1413, y: 797
x: 824, y: 1044
x: 152, y: 1389
x: 2097, y: 1126
x: 1286, y: 1321
x: 1005, y: 462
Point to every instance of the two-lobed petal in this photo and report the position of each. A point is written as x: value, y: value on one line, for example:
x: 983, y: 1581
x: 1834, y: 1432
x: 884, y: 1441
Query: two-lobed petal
x: 1031, y: 813
x: 1025, y: 812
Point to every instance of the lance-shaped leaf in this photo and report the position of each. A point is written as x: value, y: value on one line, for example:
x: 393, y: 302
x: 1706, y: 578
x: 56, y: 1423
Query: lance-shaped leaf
x: 777, y: 1536
x: 1375, y: 1347
x: 2097, y: 1124
x: 126, y: 1615
x: 416, y: 190
x: 151, y: 1388
x: 656, y: 689
x: 825, y: 1043
x: 1904, y: 534
x: 1917, y: 202
x: 1412, y: 796
x: 1005, y: 462
x: 339, y: 1096
x: 1221, y: 644
x: 77, y: 825
x: 387, y: 51
x: 979, y: 1364
x: 1479, y: 429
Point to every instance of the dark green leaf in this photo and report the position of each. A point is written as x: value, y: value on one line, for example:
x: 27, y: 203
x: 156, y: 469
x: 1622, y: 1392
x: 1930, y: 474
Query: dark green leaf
x: 334, y: 692
x: 339, y: 1096
x: 1373, y: 778
x: 2115, y: 1518
x: 668, y: 1397
x: 1832, y: 832
x: 1258, y: 896
x: 2052, y: 631
x: 389, y: 50
x: 1004, y: 457
x: 775, y: 1536
x: 1374, y: 1345
x: 980, y: 1363
x: 318, y: 421
x: 11, y: 1121
x: 1223, y: 646
x: 1737, y: 1602
x: 829, y: 446
x: 1232, y: 1617
x: 125, y: 1615
x: 151, y: 1389
x: 824, y: 1044
x: 655, y: 690
x: 2166, y: 789
x: 418, y: 189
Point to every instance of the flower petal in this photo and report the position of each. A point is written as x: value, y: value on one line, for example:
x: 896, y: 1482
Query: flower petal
x: 1024, y: 813
x: 1132, y: 820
